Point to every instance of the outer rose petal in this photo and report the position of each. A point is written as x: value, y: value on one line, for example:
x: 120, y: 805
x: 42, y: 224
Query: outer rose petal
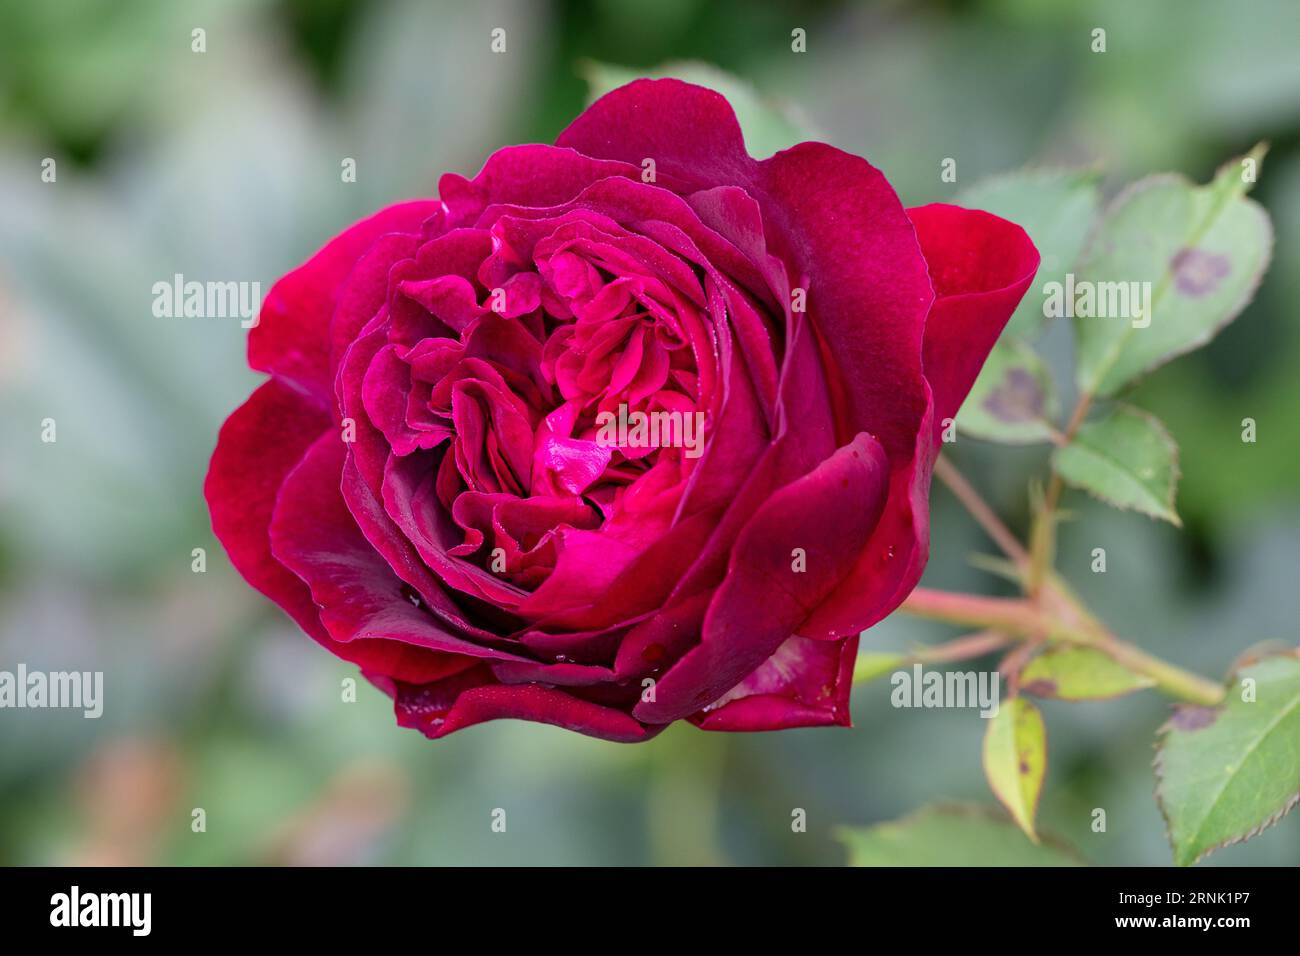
x: 830, y: 513
x: 259, y: 445
x: 291, y: 339
x: 460, y: 701
x: 890, y: 565
x: 868, y: 291
x: 805, y: 683
x: 980, y: 266
x: 690, y: 132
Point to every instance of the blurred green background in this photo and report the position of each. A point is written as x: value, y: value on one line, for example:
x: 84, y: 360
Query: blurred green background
x: 225, y: 165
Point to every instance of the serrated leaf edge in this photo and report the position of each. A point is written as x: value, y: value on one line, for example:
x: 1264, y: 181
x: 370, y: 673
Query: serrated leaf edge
x: 1158, y: 766
x: 1177, y: 472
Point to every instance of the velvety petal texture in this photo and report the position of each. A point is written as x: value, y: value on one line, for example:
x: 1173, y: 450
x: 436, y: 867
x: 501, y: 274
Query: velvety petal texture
x: 606, y: 444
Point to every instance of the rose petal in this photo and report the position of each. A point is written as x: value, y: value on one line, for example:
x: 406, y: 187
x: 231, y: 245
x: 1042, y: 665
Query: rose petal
x: 291, y: 339
x: 365, y: 292
x: 869, y: 307
x: 891, y: 563
x: 981, y: 266
x: 259, y: 444
x: 829, y: 514
x: 360, y: 598
x: 805, y: 683
x: 535, y: 175
x: 689, y: 131
x: 437, y: 711
x: 401, y: 555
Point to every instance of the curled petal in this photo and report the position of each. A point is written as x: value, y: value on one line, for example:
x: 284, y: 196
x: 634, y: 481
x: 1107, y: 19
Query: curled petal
x: 441, y: 708
x: 981, y: 266
x: 534, y: 175
x: 805, y: 683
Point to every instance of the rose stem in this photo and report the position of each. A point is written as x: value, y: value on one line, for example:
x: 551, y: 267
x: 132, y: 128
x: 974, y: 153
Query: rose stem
x: 1053, y: 612
x: 1027, y: 620
x: 1044, y: 532
x: 960, y: 649
x: 980, y: 511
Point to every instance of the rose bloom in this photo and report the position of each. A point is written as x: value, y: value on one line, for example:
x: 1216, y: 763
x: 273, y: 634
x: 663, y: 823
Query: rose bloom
x: 423, y: 484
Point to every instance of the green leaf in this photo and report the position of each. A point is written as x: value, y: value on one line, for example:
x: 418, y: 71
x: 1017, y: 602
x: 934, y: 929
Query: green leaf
x: 1226, y: 773
x: 952, y: 835
x: 768, y: 127
x: 1201, y: 250
x: 1057, y: 208
x: 1015, y: 759
x: 1126, y: 459
x: 873, y: 664
x: 1013, y: 400
x: 1079, y: 673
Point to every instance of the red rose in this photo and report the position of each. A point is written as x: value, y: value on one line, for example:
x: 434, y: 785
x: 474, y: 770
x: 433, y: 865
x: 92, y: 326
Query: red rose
x: 452, y: 477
